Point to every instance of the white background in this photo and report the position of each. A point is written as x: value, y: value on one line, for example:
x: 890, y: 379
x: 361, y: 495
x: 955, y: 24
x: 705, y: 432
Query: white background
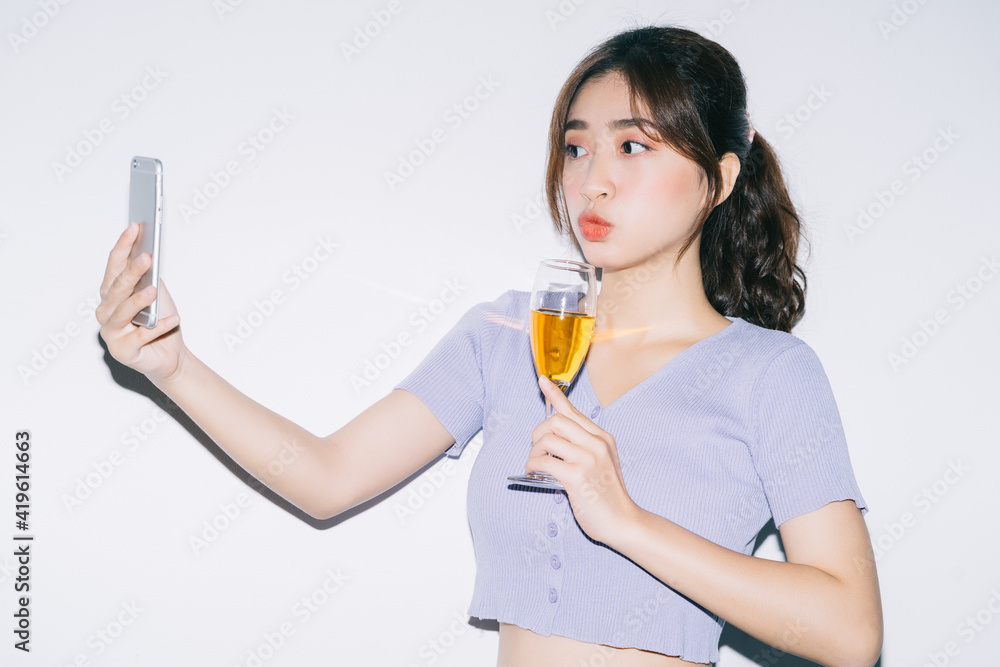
x: 115, y: 514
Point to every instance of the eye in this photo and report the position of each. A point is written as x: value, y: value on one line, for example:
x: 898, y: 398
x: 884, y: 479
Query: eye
x: 633, y: 147
x: 573, y: 151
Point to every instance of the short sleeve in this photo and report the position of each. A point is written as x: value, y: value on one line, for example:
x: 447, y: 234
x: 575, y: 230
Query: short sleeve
x: 800, y: 451
x: 450, y: 380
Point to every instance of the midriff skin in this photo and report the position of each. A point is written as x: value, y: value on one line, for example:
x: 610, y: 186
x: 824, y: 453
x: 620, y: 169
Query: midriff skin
x: 523, y: 648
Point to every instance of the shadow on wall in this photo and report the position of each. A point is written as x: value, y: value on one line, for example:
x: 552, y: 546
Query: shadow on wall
x: 137, y: 382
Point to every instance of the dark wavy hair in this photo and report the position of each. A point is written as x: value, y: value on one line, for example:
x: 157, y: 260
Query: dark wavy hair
x: 694, y: 93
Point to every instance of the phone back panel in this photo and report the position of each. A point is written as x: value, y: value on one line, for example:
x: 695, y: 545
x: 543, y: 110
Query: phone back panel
x: 145, y: 206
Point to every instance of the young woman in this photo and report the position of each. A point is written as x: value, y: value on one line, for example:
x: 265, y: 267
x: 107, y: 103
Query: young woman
x: 697, y: 417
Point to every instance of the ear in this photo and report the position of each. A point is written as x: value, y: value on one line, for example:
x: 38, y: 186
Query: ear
x: 729, y: 165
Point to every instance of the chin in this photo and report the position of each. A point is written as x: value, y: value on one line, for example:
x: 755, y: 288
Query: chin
x: 592, y: 255
x: 605, y: 263
x: 617, y: 261
x: 601, y: 255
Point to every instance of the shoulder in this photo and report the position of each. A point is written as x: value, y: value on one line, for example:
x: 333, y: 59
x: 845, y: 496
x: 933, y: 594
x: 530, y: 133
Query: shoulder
x: 513, y: 303
x: 769, y: 363
x: 785, y: 382
x: 495, y: 323
x: 768, y: 352
x: 766, y: 342
x: 510, y: 310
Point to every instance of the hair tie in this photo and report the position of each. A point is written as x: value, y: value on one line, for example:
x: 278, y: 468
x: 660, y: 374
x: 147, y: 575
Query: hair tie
x: 751, y: 132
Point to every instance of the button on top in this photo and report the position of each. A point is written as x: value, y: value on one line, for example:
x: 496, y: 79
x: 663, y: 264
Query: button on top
x: 559, y: 497
x: 596, y: 411
x: 555, y: 563
x: 553, y: 530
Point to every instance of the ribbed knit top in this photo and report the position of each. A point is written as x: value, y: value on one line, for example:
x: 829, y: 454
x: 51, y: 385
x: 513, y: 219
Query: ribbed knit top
x: 738, y: 428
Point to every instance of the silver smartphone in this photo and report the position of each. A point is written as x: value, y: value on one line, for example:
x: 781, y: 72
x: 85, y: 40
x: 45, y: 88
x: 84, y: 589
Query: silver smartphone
x: 145, y: 206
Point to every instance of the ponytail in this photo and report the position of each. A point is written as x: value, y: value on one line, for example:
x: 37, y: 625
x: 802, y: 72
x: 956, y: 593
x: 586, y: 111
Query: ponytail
x: 749, y: 245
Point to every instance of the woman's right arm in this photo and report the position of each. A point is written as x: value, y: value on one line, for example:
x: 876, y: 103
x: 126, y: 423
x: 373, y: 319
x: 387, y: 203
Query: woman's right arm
x: 381, y: 447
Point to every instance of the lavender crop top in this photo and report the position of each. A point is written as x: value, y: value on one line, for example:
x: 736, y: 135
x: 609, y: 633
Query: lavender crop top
x: 738, y: 428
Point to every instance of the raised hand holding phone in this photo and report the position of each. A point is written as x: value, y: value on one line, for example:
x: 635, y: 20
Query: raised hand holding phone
x: 156, y: 352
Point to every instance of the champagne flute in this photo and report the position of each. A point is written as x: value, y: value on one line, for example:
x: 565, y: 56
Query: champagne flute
x: 563, y: 309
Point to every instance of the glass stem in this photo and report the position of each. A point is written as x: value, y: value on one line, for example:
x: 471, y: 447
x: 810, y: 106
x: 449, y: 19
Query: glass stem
x: 549, y: 409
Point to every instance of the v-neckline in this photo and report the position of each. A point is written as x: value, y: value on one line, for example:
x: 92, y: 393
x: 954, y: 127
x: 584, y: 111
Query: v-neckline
x: 585, y: 374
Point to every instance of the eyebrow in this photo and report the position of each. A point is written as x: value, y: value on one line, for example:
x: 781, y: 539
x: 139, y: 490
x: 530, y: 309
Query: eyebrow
x: 620, y: 124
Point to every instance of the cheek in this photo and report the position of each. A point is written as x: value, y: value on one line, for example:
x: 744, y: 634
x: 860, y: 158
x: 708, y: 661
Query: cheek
x: 572, y: 181
x: 679, y: 190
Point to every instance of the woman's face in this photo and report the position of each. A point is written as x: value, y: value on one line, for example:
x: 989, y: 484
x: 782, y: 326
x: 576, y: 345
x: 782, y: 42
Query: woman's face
x: 650, y: 195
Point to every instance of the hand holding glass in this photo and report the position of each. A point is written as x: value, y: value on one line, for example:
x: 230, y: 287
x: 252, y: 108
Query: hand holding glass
x: 563, y: 308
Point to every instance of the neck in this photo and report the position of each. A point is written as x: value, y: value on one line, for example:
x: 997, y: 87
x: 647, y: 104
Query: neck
x: 655, y: 301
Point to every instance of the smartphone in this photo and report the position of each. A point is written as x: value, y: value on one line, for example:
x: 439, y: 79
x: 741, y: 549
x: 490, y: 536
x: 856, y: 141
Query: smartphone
x: 145, y: 206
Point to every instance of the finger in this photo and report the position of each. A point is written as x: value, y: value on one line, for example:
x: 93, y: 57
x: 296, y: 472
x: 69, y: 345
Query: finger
x: 561, y: 436
x: 571, y: 415
x: 555, y: 396
x: 118, y: 257
x: 137, y: 336
x: 554, y: 445
x: 122, y: 316
x: 164, y: 325
x: 560, y: 402
x: 559, y: 469
x: 563, y: 427
x: 165, y: 303
x: 122, y: 287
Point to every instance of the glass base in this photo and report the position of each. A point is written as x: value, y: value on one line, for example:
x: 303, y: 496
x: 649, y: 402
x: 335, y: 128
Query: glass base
x: 540, y: 479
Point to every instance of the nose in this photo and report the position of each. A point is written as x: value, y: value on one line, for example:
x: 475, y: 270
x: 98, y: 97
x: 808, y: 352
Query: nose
x: 598, y: 181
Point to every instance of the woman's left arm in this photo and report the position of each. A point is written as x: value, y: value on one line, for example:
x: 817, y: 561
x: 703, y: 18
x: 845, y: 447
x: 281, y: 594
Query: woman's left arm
x: 822, y: 604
